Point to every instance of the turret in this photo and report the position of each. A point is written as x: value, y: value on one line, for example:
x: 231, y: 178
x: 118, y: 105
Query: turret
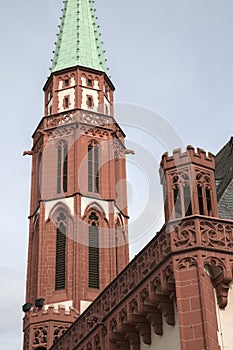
x: 188, y: 183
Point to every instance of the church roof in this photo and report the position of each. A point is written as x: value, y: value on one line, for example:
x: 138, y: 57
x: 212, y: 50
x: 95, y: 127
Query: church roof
x: 79, y: 41
x: 223, y: 168
x: 224, y: 180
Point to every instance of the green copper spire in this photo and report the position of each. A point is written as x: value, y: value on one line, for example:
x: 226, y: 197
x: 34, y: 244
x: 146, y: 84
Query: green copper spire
x: 79, y: 42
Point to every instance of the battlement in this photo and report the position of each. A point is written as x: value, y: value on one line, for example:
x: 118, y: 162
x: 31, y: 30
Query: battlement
x: 179, y: 158
x: 50, y: 313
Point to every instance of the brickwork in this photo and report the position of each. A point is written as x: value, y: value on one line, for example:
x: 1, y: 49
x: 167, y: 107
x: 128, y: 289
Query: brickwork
x: 73, y: 129
x: 183, y: 267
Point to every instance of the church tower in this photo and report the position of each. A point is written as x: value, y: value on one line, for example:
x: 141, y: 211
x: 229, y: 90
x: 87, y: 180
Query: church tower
x: 78, y: 239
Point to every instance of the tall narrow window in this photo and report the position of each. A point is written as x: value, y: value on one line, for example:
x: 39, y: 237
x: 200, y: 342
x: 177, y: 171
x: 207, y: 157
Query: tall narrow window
x: 93, y: 254
x: 65, y: 167
x: 89, y: 82
x: 62, y: 167
x: 66, y: 102
x: 60, y: 277
x: 59, y: 166
x: 90, y: 102
x: 187, y: 201
x: 39, y: 176
x: 66, y: 82
x: 208, y: 201
x: 177, y: 202
x: 93, y: 167
x: 200, y: 199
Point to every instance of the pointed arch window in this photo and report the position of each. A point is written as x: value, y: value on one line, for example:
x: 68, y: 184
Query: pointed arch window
x: 187, y: 200
x: 93, y: 251
x: 93, y: 167
x: 39, y: 176
x: 177, y: 202
x: 208, y: 201
x: 60, y: 275
x: 204, y: 193
x: 200, y: 199
x: 62, y: 167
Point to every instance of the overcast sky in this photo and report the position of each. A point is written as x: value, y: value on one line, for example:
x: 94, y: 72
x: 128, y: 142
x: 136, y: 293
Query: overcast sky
x: 174, y: 57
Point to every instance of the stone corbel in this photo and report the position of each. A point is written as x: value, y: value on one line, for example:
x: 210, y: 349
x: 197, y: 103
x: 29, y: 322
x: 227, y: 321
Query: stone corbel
x: 222, y: 284
x: 125, y: 335
x: 142, y: 324
x: 155, y: 318
x: 165, y: 305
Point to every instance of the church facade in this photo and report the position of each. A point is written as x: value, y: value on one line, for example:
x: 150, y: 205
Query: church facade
x: 82, y: 292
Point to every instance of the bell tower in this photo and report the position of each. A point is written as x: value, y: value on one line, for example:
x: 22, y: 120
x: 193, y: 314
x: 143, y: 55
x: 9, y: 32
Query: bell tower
x: 78, y: 239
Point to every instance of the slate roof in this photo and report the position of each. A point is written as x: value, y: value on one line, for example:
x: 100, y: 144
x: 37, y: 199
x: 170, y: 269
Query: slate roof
x: 224, y: 167
x: 224, y: 180
x: 79, y: 41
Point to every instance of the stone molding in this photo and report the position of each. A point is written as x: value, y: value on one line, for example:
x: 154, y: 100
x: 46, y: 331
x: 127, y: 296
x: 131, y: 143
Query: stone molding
x: 145, y: 292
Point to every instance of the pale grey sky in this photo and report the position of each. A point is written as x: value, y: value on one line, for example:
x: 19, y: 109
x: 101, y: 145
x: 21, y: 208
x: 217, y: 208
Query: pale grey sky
x: 172, y: 56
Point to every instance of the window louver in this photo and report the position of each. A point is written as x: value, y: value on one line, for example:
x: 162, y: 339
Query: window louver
x: 60, y: 257
x: 93, y: 256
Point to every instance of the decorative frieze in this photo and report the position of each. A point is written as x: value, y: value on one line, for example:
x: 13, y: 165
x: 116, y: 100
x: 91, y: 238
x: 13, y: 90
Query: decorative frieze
x: 59, y: 120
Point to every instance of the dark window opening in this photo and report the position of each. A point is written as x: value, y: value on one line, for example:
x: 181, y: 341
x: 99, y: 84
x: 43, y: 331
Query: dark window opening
x: 60, y: 278
x: 59, y: 165
x: 200, y: 199
x: 177, y: 203
x: 93, y: 168
x: 50, y: 110
x: 187, y: 201
x: 66, y: 102
x: 90, y: 170
x: 65, y: 168
x: 96, y: 169
x: 67, y: 82
x: 89, y: 82
x: 208, y: 201
x: 89, y: 102
x: 62, y: 168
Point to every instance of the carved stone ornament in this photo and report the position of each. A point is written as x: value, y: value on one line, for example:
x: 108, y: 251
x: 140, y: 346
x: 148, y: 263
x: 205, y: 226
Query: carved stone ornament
x: 187, y: 263
x: 40, y: 335
x: 118, y: 148
x: 217, y: 235
x: 59, y: 120
x: 221, y: 275
x: 94, y: 119
x: 95, y: 131
x: 61, y: 132
x: 184, y: 235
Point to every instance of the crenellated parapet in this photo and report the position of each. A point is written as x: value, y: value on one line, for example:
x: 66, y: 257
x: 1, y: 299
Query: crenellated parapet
x: 43, y: 326
x: 181, y: 158
x: 188, y: 183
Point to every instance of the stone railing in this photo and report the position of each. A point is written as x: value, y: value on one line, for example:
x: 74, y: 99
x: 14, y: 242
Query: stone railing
x: 87, y: 117
x: 177, y: 238
x: 138, y: 269
x: 201, y: 231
